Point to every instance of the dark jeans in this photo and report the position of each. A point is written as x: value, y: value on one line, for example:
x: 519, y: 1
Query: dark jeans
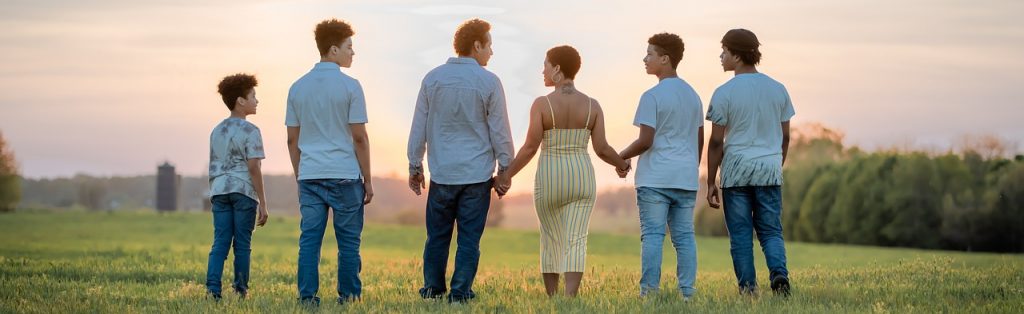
x: 345, y: 198
x: 234, y: 217
x: 749, y: 209
x: 466, y: 204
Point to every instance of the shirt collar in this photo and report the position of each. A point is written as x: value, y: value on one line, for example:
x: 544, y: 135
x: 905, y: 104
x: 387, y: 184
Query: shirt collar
x: 462, y: 60
x: 327, y: 66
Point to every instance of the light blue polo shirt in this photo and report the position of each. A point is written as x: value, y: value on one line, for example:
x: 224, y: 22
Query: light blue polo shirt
x: 322, y: 104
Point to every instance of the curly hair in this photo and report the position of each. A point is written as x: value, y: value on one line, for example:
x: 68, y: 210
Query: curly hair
x: 469, y: 32
x: 668, y: 44
x: 743, y: 44
x: 331, y: 32
x: 234, y: 86
x: 567, y: 59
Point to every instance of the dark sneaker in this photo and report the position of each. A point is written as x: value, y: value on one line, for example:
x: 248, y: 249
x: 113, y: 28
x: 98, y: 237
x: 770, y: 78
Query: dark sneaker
x: 431, y: 294
x: 310, y: 301
x: 349, y: 299
x: 215, y: 296
x: 748, y: 290
x: 461, y: 299
x: 242, y: 293
x: 780, y: 285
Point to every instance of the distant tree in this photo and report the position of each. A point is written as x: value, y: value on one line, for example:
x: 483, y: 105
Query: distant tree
x: 92, y: 193
x: 710, y: 222
x: 10, y: 180
x: 912, y: 203
x: 817, y: 203
x: 1006, y: 202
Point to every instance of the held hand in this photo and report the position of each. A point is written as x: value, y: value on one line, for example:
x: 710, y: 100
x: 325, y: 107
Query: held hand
x: 624, y: 172
x: 502, y: 184
x: 416, y: 183
x: 368, y: 188
x: 714, y: 196
x: 261, y: 218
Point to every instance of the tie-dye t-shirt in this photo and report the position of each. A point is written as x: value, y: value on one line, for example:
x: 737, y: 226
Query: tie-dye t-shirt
x: 232, y: 143
x: 752, y: 108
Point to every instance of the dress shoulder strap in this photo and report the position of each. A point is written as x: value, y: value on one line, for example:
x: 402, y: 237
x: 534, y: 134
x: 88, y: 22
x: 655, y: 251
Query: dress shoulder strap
x: 590, y: 106
x: 550, y: 110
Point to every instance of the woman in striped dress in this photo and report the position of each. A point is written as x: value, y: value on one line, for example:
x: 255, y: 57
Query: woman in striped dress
x: 562, y: 122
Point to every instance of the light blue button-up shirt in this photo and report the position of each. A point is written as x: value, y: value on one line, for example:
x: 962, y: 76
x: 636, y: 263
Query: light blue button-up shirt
x: 461, y: 122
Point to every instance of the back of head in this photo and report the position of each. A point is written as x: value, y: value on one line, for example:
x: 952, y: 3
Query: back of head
x: 470, y: 31
x: 234, y: 86
x: 567, y: 59
x: 670, y: 45
x: 743, y: 44
x: 332, y: 32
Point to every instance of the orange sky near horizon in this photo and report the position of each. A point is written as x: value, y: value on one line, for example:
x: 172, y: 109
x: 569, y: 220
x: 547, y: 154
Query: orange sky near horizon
x: 116, y: 87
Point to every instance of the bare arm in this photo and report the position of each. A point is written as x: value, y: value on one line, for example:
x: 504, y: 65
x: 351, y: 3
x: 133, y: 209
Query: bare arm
x: 601, y: 147
x: 716, y: 151
x: 361, y: 141
x: 785, y: 141
x: 641, y: 144
x: 700, y: 143
x: 293, y: 149
x: 257, y: 183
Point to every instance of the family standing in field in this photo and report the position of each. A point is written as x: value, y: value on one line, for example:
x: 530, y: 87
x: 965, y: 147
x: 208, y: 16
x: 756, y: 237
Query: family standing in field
x: 460, y: 122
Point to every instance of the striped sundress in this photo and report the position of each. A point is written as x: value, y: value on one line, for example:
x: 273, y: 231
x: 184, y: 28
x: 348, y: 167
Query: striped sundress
x: 564, y: 193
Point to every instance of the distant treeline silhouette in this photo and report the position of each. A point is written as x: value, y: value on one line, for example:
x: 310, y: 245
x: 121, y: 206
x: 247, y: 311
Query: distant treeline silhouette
x: 970, y: 198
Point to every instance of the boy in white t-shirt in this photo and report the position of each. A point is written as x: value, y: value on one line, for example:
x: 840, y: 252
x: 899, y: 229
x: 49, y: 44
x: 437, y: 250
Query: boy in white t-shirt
x: 671, y: 139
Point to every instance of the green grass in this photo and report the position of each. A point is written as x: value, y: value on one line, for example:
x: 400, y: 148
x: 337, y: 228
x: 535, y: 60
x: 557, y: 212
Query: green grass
x: 146, y: 262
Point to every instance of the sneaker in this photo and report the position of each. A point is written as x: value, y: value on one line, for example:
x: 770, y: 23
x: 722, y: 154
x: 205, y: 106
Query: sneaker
x: 310, y: 301
x: 349, y: 299
x: 650, y: 292
x: 780, y: 285
x: 431, y: 294
x: 748, y: 290
x: 462, y: 299
x: 242, y: 293
x: 215, y: 296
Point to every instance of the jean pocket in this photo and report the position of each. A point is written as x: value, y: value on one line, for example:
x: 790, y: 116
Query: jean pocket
x: 347, y: 196
x: 647, y: 195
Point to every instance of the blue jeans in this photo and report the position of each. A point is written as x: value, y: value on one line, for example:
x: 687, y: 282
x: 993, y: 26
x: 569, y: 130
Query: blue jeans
x: 672, y: 207
x: 345, y: 198
x: 749, y: 209
x: 234, y: 217
x: 466, y: 204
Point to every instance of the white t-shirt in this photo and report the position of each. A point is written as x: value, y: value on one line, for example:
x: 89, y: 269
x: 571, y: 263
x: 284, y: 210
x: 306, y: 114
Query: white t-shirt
x: 674, y: 110
x: 322, y: 104
x: 752, y: 107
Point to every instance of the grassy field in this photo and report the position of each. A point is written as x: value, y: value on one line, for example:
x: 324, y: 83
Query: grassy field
x: 147, y: 262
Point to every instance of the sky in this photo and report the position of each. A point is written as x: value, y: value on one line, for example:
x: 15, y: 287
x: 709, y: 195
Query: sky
x: 116, y: 87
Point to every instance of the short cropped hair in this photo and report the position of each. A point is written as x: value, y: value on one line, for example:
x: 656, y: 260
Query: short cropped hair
x: 670, y: 45
x: 567, y: 59
x: 331, y: 32
x: 743, y: 44
x: 469, y: 32
x: 234, y: 86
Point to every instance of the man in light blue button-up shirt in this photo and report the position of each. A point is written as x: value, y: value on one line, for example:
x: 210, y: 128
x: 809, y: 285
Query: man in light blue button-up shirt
x: 461, y: 123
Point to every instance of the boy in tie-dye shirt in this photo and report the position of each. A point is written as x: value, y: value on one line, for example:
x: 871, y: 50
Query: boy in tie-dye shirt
x: 236, y: 184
